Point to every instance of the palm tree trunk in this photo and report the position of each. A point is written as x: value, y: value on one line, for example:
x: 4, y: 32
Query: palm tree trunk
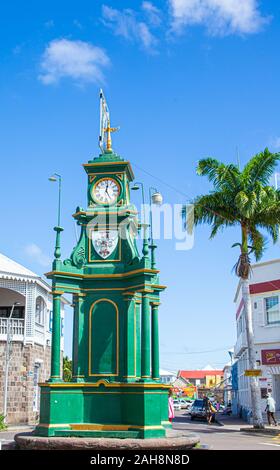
x: 254, y: 383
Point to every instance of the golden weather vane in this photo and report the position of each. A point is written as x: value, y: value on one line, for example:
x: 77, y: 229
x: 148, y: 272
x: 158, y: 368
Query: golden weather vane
x: 108, y: 131
x: 105, y: 144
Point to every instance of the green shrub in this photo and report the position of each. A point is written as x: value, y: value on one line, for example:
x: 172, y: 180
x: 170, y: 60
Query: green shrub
x: 3, y: 426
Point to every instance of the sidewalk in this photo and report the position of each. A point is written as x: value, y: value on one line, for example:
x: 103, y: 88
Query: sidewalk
x: 20, y: 427
x: 231, y: 422
x: 7, y: 435
x: 237, y: 424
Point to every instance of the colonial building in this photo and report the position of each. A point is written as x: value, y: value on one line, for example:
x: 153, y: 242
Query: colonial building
x: 265, y: 299
x: 28, y: 298
x: 227, y: 384
x: 167, y: 377
x: 204, y: 378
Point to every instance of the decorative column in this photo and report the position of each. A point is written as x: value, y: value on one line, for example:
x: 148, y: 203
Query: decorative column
x: 155, y: 343
x: 145, y: 249
x: 56, y: 336
x: 153, y: 247
x: 129, y: 364
x: 145, y: 338
x: 78, y: 327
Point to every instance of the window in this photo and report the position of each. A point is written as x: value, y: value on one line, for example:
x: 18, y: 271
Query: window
x: 272, y: 310
x: 50, y: 320
x: 17, y: 313
x: 40, y: 311
x: 240, y: 324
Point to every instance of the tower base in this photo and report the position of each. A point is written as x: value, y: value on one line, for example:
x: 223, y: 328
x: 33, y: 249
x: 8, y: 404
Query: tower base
x: 103, y: 409
x: 174, y: 440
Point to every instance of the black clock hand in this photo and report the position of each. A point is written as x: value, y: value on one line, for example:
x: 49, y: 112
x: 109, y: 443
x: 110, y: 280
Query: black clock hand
x: 106, y: 191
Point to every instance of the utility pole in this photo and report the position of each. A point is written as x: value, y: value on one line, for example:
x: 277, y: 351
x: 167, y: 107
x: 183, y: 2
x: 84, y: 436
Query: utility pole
x: 7, y: 359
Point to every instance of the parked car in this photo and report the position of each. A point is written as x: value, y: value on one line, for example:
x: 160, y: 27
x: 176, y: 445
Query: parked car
x: 198, y: 410
x: 177, y: 404
x: 184, y: 404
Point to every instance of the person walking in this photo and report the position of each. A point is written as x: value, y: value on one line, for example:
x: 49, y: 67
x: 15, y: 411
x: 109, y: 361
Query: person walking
x: 270, y: 409
x: 171, y: 413
x: 212, y: 412
x: 206, y: 406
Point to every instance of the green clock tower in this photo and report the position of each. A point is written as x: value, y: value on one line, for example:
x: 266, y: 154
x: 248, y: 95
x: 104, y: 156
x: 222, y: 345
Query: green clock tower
x: 115, y: 390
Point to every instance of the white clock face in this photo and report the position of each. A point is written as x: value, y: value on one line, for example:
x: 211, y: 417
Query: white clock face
x: 106, y: 191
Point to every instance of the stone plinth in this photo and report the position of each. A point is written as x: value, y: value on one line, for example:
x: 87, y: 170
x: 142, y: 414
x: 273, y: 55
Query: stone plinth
x: 174, y: 440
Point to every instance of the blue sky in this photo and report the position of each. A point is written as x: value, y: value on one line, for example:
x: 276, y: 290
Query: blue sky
x: 184, y: 80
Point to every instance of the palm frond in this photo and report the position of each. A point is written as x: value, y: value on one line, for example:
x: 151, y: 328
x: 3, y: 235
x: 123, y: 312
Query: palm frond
x: 241, y: 198
x: 257, y: 241
x: 219, y: 174
x: 261, y: 167
x: 246, y: 203
x: 209, y: 208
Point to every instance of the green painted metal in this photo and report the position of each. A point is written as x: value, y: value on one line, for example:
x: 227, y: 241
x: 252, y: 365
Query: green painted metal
x: 146, y: 338
x: 56, y: 332
x: 155, y: 343
x: 115, y: 390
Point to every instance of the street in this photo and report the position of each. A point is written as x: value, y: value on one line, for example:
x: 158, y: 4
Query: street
x: 214, y: 437
x: 225, y: 437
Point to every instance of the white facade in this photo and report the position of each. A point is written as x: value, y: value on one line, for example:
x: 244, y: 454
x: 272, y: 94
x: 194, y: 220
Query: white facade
x: 167, y: 377
x: 29, y: 349
x: 265, y: 299
x: 227, y: 384
x: 32, y: 318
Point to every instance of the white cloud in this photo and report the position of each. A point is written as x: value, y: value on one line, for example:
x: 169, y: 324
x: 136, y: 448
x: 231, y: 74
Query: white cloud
x: 125, y: 23
x: 35, y: 252
x: 78, y: 60
x: 152, y: 12
x: 221, y: 17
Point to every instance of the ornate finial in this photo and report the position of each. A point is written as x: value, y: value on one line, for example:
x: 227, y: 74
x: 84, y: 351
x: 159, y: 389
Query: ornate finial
x: 105, y: 127
x: 108, y: 130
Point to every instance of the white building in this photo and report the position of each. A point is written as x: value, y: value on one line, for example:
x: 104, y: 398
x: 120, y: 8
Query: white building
x: 167, y: 377
x: 227, y: 383
x: 265, y: 298
x: 30, y: 328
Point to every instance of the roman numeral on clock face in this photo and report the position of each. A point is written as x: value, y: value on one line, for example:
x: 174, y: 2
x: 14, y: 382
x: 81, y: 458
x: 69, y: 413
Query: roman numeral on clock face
x: 106, y: 191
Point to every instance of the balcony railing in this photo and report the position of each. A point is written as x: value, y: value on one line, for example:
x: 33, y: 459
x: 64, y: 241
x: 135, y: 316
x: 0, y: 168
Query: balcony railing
x: 16, y: 325
x: 240, y: 345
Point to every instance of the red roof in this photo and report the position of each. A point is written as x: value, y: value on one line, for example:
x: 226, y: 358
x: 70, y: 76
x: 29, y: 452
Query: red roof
x: 199, y: 374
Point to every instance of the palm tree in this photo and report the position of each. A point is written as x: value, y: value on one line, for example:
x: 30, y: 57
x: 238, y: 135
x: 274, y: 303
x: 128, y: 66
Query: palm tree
x: 244, y: 199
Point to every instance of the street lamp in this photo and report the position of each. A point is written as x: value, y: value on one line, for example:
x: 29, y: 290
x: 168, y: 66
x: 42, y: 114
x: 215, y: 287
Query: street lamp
x: 7, y: 359
x: 156, y: 199
x: 137, y: 185
x: 54, y: 178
